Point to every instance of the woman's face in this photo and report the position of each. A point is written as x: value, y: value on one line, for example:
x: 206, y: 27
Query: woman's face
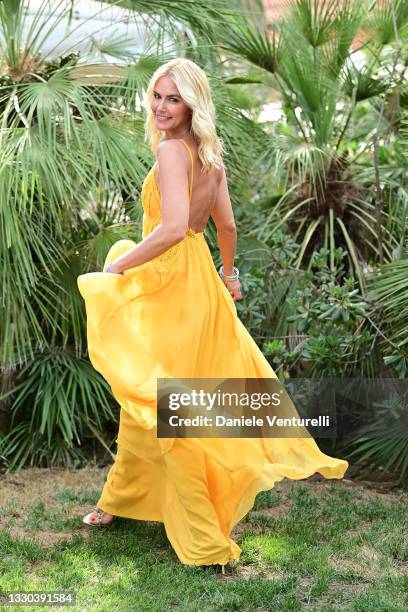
x: 170, y: 111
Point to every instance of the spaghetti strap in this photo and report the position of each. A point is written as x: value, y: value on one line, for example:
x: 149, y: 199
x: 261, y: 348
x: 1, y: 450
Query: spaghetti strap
x: 192, y: 166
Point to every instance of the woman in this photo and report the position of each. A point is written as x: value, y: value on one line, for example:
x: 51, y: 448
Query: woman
x: 161, y: 309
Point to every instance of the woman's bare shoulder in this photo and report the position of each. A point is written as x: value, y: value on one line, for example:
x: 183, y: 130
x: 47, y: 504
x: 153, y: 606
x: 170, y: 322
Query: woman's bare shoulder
x: 220, y: 173
x: 169, y: 147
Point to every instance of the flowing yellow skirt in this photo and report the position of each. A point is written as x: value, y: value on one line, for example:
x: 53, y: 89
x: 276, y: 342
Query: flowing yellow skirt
x: 182, y: 322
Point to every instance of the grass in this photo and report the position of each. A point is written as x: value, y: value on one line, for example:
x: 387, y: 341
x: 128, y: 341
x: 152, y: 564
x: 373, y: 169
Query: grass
x: 306, y: 545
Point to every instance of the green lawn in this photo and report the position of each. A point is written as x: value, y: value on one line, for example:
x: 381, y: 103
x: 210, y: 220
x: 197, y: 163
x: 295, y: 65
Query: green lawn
x: 307, y: 545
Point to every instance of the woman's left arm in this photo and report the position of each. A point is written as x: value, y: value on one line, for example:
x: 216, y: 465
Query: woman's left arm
x: 174, y: 209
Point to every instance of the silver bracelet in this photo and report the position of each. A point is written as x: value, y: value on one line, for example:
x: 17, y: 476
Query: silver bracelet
x: 109, y: 269
x: 230, y: 277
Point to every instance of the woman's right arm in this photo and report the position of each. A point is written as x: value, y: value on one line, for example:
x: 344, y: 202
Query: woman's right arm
x: 223, y: 217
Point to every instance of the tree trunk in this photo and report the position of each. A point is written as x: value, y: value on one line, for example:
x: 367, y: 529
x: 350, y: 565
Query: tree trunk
x: 6, y: 383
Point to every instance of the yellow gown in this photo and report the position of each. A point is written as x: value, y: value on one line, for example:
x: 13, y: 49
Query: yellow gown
x: 174, y: 317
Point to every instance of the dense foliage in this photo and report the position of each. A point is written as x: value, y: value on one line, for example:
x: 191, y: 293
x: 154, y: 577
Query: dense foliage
x: 319, y: 194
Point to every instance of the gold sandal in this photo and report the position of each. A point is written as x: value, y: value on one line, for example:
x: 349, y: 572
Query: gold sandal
x: 99, y: 515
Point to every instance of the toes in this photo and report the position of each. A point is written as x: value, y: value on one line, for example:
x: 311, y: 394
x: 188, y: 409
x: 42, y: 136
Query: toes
x: 105, y: 518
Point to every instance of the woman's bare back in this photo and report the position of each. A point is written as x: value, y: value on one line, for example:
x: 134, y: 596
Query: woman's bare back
x: 204, y: 191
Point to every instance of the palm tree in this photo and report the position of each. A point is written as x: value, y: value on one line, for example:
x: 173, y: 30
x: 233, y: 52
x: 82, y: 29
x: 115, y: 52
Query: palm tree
x: 309, y: 58
x: 72, y: 160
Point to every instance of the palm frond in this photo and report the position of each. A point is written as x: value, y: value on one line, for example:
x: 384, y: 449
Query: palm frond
x: 380, y: 20
x: 55, y: 394
x: 362, y: 83
x: 262, y: 48
x: 388, y: 289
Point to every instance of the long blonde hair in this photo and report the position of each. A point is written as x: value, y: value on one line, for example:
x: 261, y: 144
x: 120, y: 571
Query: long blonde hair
x: 194, y: 88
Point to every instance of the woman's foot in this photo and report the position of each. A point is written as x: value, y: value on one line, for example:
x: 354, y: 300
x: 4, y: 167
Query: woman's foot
x: 214, y: 567
x: 98, y: 517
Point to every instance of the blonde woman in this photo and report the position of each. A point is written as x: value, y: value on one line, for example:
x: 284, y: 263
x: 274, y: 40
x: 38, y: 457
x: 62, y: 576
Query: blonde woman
x: 161, y: 309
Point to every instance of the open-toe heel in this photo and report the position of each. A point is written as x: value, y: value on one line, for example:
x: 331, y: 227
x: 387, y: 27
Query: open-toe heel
x: 99, y: 516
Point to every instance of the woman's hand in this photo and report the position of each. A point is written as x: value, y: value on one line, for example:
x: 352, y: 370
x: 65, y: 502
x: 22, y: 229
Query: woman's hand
x: 111, y: 269
x: 234, y: 287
